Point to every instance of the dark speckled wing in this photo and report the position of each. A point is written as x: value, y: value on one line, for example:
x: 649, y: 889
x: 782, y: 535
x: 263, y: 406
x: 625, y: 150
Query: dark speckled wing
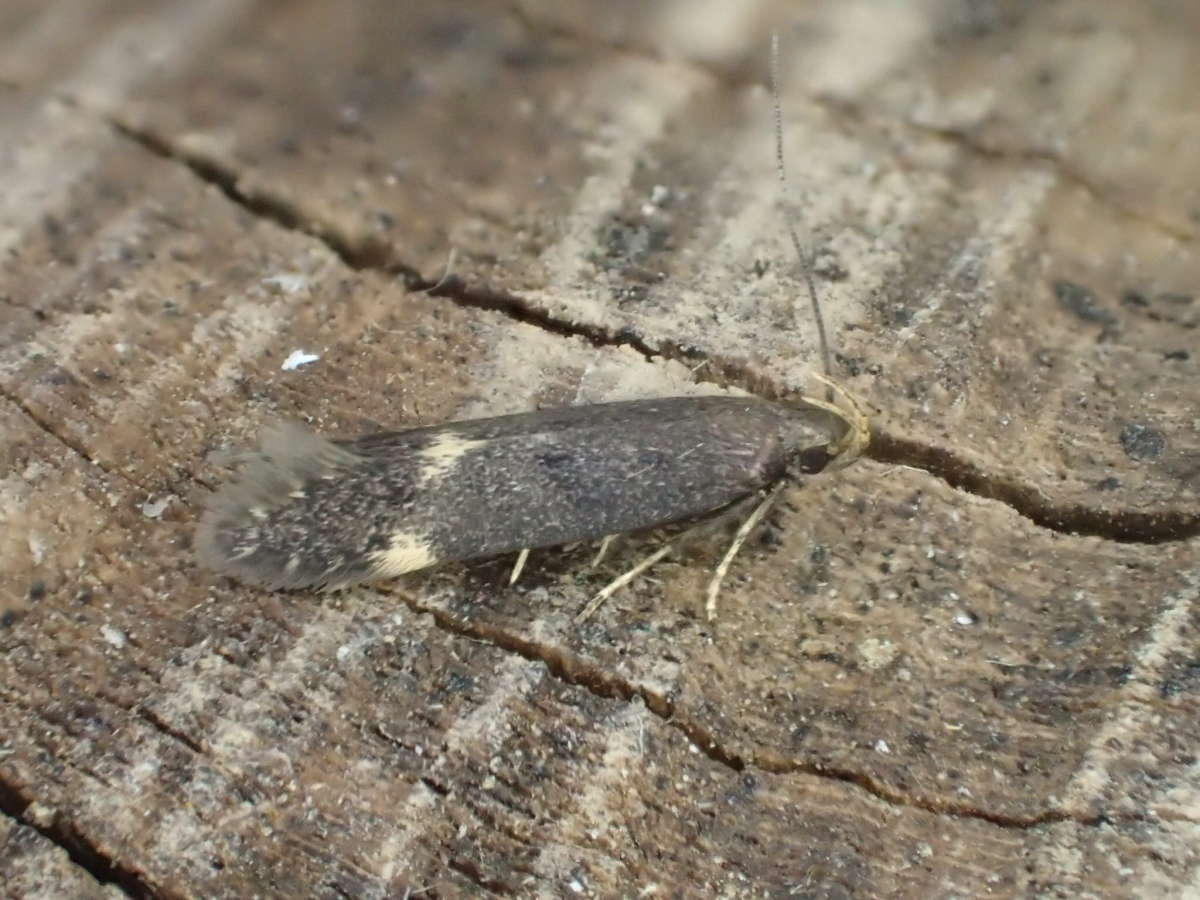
x: 307, y: 511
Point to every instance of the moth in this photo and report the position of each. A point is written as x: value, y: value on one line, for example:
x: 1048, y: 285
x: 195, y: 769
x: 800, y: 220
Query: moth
x: 307, y: 511
x: 311, y: 512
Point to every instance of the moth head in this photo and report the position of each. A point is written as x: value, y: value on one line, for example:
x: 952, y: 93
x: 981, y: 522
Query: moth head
x: 848, y: 410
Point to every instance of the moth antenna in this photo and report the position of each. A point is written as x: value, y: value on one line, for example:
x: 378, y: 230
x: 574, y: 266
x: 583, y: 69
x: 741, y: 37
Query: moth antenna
x: 805, y: 257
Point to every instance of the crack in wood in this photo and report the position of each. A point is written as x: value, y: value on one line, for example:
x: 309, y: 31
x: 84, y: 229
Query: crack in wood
x: 81, y: 451
x: 152, y: 719
x: 363, y: 254
x: 370, y: 255
x: 575, y: 671
x: 80, y: 849
x: 1125, y: 526
x: 74, y: 446
x: 471, y: 871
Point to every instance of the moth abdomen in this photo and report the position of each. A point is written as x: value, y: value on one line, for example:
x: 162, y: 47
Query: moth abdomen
x: 307, y: 511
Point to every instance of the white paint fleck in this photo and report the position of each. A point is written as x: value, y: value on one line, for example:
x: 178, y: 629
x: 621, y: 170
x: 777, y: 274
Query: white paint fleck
x: 152, y: 509
x: 881, y: 746
x: 114, y: 636
x: 290, y: 283
x: 298, y: 358
x: 37, y: 547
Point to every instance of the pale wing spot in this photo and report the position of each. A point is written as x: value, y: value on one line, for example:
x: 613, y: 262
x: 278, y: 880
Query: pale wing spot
x: 443, y: 453
x: 406, y: 552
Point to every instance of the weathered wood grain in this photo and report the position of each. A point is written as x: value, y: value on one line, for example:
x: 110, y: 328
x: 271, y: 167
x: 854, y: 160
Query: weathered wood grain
x: 965, y: 667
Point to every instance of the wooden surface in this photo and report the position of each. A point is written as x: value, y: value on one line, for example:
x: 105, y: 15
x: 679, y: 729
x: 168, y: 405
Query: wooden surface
x: 968, y: 666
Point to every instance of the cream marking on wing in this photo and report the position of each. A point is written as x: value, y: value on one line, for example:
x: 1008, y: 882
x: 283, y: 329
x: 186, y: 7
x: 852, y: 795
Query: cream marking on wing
x: 407, y: 552
x: 443, y: 454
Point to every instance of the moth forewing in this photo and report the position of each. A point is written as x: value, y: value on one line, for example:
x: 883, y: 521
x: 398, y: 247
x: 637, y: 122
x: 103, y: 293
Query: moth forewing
x: 306, y: 511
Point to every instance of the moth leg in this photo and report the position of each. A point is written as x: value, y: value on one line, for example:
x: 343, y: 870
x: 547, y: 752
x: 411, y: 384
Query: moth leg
x: 605, y: 541
x: 707, y: 525
x: 617, y: 583
x: 518, y: 566
x: 714, y: 586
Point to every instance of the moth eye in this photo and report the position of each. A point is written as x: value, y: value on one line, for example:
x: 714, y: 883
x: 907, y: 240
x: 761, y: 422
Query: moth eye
x: 812, y: 460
